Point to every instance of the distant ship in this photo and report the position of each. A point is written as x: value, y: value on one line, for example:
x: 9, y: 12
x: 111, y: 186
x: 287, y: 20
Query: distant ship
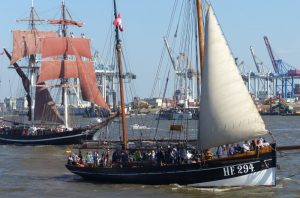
x: 65, y: 61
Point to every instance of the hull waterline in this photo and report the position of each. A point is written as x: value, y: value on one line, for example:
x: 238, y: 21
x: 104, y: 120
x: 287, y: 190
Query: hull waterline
x: 63, y: 138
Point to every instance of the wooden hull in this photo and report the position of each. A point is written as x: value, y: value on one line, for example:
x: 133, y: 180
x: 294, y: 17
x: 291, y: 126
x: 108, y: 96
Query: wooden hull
x: 62, y: 138
x: 240, y: 171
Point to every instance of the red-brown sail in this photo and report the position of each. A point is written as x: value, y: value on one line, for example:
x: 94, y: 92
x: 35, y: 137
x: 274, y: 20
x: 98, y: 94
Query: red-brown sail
x: 45, y: 109
x: 57, y: 69
x: 85, y: 70
x: 28, y: 42
x: 88, y: 84
x: 66, y: 22
x: 54, y: 46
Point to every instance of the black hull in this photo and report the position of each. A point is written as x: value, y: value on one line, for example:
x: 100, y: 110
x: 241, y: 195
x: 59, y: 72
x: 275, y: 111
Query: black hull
x: 239, y: 171
x: 62, y: 138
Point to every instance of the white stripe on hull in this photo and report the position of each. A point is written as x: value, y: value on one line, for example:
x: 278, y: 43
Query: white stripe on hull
x: 41, y: 140
x: 261, y: 178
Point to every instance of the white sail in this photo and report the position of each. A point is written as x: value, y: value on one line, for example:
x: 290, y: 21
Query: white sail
x: 227, y: 112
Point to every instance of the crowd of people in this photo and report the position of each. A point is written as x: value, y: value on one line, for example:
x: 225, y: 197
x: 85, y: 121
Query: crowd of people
x: 90, y: 159
x: 232, y: 149
x: 160, y: 156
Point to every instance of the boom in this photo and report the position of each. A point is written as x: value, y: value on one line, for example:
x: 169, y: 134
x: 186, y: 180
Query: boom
x: 255, y: 60
x: 275, y: 66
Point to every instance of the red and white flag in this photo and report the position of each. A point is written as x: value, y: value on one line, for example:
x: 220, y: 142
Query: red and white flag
x: 118, y: 22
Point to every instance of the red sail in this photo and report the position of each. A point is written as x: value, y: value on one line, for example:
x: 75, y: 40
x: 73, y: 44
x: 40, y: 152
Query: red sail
x: 65, y: 46
x: 45, y: 109
x: 88, y: 84
x: 57, y: 69
x: 66, y: 22
x: 28, y: 42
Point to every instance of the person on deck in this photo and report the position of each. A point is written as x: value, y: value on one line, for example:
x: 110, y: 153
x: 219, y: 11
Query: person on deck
x: 70, y: 159
x: 245, y: 147
x: 230, y: 149
x: 137, y: 155
x: 219, y: 151
x: 265, y: 143
x: 237, y: 148
x: 80, y: 158
x: 124, y: 158
x: 95, y: 159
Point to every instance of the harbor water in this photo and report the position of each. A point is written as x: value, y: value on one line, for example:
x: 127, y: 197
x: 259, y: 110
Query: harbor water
x: 38, y: 171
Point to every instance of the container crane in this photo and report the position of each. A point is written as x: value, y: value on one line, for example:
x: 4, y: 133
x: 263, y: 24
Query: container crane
x: 259, y: 64
x: 284, y: 72
x: 261, y: 79
x: 185, y: 73
x: 280, y: 67
x: 276, y: 70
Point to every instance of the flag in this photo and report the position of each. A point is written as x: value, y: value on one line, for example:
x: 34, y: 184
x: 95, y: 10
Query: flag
x: 118, y: 22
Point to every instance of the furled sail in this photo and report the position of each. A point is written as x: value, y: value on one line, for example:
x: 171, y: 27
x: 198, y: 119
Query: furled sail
x: 28, y: 42
x: 54, y: 46
x: 65, y: 22
x: 45, y: 109
x: 227, y: 112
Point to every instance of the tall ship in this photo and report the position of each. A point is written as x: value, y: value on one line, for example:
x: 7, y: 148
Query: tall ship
x: 223, y: 124
x: 56, y: 61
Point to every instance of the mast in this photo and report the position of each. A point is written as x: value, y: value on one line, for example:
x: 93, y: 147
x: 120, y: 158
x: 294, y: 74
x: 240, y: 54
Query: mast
x: 201, y: 46
x: 32, y: 67
x: 119, y: 60
x: 64, y: 81
x: 200, y: 32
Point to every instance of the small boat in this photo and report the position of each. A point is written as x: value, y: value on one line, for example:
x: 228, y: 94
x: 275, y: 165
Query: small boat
x: 138, y: 127
x: 222, y: 122
x: 178, y: 114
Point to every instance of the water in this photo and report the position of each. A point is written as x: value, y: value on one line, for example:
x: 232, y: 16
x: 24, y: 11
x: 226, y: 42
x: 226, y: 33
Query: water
x: 39, y: 171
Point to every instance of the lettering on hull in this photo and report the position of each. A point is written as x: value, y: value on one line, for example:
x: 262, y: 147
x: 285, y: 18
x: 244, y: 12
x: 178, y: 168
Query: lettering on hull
x: 240, y: 169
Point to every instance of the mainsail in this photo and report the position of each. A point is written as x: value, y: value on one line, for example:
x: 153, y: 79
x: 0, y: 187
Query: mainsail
x: 227, y: 113
x: 55, y: 69
x: 78, y: 68
x: 53, y: 46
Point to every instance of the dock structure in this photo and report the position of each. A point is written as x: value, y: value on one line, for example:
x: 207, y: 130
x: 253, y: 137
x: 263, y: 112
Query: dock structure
x: 105, y: 75
x: 266, y: 85
x: 263, y: 83
x: 106, y: 79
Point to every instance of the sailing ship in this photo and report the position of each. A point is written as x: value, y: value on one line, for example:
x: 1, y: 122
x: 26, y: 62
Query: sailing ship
x: 64, y: 58
x: 222, y: 122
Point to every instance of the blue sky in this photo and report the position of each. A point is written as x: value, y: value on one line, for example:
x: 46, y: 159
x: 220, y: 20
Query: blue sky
x: 243, y: 22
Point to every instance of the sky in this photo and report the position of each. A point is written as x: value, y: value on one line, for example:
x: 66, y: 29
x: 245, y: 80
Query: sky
x: 244, y: 24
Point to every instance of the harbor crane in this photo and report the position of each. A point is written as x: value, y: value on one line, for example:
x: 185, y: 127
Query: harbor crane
x: 284, y: 74
x: 258, y: 63
x: 280, y: 67
x: 261, y: 79
x: 185, y: 73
